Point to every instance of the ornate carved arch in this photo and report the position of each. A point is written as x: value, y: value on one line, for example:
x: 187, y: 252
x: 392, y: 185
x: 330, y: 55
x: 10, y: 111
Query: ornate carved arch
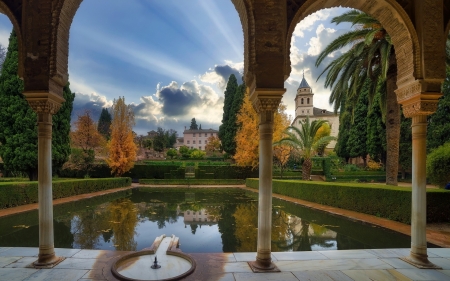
x: 391, y: 15
x: 244, y: 9
x: 65, y: 11
x: 16, y: 22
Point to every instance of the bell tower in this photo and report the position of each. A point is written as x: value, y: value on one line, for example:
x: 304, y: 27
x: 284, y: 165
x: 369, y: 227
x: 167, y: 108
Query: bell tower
x: 304, y: 99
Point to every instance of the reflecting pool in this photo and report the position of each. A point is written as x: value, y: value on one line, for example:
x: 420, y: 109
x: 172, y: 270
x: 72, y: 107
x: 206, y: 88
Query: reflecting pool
x: 205, y: 220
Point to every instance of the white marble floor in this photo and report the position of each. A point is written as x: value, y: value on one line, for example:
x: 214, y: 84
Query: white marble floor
x: 378, y: 264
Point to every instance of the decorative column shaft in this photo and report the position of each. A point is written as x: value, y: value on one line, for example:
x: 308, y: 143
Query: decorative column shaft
x: 45, y: 105
x: 417, y: 105
x: 265, y: 102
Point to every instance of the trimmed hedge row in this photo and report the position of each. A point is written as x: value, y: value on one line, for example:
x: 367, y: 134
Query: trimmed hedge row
x: 393, y: 203
x: 193, y: 181
x: 21, y: 193
x: 358, y: 178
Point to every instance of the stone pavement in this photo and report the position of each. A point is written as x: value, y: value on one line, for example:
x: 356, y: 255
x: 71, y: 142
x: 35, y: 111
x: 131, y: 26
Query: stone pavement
x: 347, y: 265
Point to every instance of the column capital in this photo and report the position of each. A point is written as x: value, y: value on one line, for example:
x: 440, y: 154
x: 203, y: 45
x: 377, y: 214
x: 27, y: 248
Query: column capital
x: 264, y: 99
x: 419, y: 98
x: 44, y: 102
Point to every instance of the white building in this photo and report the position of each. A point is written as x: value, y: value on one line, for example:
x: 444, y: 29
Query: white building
x: 304, y: 106
x: 198, y: 138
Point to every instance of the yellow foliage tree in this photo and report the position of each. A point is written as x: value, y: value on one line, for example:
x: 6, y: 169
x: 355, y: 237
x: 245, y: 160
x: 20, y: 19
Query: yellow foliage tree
x: 213, y: 144
x: 324, y: 131
x: 122, y: 148
x: 247, y: 136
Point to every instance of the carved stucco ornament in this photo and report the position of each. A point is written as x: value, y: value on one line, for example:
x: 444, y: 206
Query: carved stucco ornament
x: 417, y: 99
x: 44, y: 102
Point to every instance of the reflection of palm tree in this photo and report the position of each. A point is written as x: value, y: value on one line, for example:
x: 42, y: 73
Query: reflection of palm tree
x: 305, y: 243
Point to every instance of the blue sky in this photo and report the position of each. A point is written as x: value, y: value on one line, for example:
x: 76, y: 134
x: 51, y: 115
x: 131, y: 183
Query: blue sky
x: 171, y: 59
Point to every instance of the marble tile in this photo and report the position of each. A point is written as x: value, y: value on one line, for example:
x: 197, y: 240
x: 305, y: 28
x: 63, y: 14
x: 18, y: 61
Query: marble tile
x: 348, y: 254
x: 4, y: 261
x: 96, y: 274
x: 67, y: 253
x: 404, y: 252
x: 220, y: 277
x: 249, y: 256
x: 442, y: 262
x: 278, y: 276
x: 423, y: 274
x: 57, y: 275
x: 21, y: 252
x: 4, y: 249
x: 441, y: 252
x: 289, y: 256
x: 322, y: 275
x: 336, y: 264
x: 236, y: 267
x: 375, y: 275
x: 398, y: 263
x: 73, y: 263
x: 383, y: 253
x: 89, y: 254
x: 446, y: 272
x: 23, y: 262
x: 16, y: 273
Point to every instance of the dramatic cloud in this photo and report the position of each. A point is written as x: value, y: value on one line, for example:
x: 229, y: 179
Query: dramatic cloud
x: 89, y: 102
x: 220, y: 73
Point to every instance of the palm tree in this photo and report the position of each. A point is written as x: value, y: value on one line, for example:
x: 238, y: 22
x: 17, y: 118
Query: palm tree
x: 304, y: 141
x: 371, y: 57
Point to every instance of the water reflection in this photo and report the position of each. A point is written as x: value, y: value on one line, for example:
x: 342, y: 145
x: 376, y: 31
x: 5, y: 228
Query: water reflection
x: 223, y: 221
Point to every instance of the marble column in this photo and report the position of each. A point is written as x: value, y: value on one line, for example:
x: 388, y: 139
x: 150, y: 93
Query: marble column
x: 265, y: 102
x: 45, y: 105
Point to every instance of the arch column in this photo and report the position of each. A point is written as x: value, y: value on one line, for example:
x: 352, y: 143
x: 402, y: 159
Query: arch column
x: 417, y: 105
x: 45, y: 105
x: 265, y: 102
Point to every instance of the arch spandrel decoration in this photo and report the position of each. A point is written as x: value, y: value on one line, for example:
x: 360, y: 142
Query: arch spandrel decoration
x: 16, y: 20
x: 391, y: 15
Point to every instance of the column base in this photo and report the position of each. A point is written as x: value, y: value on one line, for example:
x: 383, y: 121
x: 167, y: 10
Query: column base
x: 263, y: 266
x: 420, y: 261
x: 47, y: 261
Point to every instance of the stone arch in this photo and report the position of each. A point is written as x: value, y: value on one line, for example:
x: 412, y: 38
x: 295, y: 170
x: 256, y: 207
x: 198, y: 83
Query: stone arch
x: 60, y: 39
x: 244, y: 8
x: 4, y: 9
x: 394, y: 19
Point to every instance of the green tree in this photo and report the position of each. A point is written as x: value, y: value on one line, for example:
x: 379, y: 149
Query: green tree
x: 164, y: 139
x: 371, y: 56
x: 172, y: 153
x: 61, y: 128
x: 439, y: 122
x: 345, y: 124
x: 303, y: 141
x: 376, y: 132
x: 405, y: 146
x: 18, y: 133
x: 358, y: 135
x: 193, y: 125
x: 104, y: 123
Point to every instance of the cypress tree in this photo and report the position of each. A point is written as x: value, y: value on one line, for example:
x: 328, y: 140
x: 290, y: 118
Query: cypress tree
x: 345, y: 124
x: 104, y: 123
x: 357, y: 139
x: 194, y: 125
x: 18, y: 134
x: 61, y: 131
x: 376, y: 132
x: 405, y: 145
x: 229, y: 94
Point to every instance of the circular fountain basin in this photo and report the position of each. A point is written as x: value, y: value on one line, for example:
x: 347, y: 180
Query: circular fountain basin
x: 138, y: 266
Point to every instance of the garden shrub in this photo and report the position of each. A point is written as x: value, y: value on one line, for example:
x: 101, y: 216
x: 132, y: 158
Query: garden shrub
x: 389, y: 202
x: 438, y: 165
x: 192, y: 181
x: 20, y: 193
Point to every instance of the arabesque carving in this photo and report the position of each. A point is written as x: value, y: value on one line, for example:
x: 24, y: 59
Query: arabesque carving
x: 420, y: 108
x: 45, y: 106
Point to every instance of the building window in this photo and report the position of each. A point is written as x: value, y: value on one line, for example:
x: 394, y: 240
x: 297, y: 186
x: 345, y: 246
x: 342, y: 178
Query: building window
x: 194, y: 134
x: 211, y: 134
x: 307, y: 101
x: 303, y: 112
x: 308, y: 110
x: 206, y: 134
x: 187, y: 142
x: 302, y: 103
x: 206, y: 142
x: 200, y: 213
x: 193, y: 142
x: 200, y: 147
x: 188, y: 212
x: 206, y: 219
x: 200, y: 141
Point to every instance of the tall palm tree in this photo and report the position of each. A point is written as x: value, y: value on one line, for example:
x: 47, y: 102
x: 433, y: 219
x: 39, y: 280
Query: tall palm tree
x: 371, y: 56
x: 304, y: 141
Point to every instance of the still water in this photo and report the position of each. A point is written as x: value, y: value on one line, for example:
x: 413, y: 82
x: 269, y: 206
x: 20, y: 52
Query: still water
x: 205, y: 220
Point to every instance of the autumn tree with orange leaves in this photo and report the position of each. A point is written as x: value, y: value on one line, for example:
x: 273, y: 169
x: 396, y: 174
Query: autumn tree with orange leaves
x: 247, y: 137
x: 122, y: 148
x: 85, y: 140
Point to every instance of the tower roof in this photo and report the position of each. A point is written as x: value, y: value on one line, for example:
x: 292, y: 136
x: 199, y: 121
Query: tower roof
x: 303, y: 83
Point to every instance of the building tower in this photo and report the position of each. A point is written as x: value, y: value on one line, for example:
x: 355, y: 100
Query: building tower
x: 304, y: 99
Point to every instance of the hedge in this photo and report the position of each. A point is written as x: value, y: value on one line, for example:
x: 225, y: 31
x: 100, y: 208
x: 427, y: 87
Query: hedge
x: 21, y: 193
x: 389, y: 202
x: 192, y: 181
